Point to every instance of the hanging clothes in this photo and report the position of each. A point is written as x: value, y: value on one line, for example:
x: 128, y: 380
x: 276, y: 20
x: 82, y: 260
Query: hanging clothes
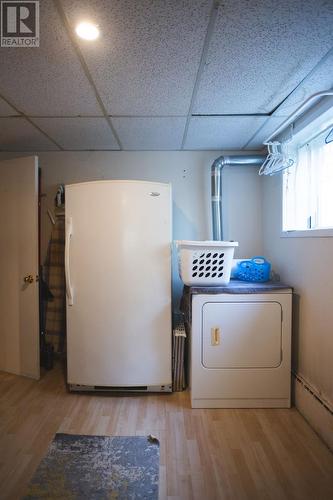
x: 54, y: 274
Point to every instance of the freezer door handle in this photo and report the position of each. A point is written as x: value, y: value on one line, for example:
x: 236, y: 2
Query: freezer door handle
x: 69, y: 288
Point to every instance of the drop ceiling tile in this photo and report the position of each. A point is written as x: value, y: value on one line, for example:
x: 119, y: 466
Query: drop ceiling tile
x: 79, y: 133
x: 260, y: 51
x: 48, y: 80
x: 17, y: 134
x: 264, y: 131
x: 321, y: 79
x: 150, y: 133
x: 221, y: 132
x: 146, y: 59
x: 5, y: 109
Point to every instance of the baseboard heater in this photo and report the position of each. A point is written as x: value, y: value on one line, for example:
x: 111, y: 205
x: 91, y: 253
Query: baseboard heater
x: 110, y: 388
x: 312, y: 391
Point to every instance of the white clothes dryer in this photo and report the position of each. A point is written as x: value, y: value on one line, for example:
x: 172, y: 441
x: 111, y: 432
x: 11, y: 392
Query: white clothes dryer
x: 240, y: 349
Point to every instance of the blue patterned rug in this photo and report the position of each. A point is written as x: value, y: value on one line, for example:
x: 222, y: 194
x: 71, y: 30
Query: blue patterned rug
x: 97, y: 467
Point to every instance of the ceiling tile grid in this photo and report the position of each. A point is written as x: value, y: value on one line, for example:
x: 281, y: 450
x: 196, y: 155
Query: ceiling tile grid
x: 17, y: 134
x: 320, y: 79
x: 79, y: 133
x: 147, y: 57
x: 144, y: 68
x: 260, y: 51
x: 266, y: 129
x: 6, y: 110
x: 150, y: 133
x: 221, y: 132
x: 48, y: 80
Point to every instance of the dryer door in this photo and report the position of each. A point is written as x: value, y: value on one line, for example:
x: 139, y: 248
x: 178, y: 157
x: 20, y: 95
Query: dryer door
x: 242, y: 335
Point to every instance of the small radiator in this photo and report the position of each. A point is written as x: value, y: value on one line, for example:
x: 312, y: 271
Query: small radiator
x: 178, y: 357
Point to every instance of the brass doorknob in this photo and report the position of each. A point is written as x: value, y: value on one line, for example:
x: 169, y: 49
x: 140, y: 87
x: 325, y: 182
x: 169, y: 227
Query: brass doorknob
x: 28, y: 279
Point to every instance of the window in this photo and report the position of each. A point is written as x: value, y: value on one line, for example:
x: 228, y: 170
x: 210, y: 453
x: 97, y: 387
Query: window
x: 308, y: 187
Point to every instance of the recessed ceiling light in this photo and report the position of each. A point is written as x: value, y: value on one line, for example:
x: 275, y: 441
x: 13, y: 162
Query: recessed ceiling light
x: 87, y: 31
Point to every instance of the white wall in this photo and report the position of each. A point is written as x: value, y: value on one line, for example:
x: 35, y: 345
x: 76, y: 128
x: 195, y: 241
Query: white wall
x: 189, y: 173
x: 305, y: 263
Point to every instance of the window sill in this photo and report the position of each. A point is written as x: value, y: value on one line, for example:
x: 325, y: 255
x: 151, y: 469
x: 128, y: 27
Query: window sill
x: 308, y: 233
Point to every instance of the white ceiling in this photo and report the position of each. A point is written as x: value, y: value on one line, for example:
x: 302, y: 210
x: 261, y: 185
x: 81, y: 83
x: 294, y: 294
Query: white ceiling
x: 79, y: 133
x: 146, y: 60
x: 158, y: 67
x: 221, y: 132
x: 17, y: 134
x: 49, y: 80
x: 150, y: 132
x: 260, y: 50
x: 6, y: 109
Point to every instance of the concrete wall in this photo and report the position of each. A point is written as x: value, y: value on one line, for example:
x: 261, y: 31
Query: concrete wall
x: 305, y: 263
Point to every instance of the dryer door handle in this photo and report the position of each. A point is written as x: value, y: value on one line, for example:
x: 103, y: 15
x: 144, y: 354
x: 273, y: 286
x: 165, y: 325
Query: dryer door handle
x: 216, y: 336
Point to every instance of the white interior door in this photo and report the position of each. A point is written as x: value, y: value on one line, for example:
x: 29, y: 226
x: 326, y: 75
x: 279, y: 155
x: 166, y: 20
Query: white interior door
x: 19, y: 320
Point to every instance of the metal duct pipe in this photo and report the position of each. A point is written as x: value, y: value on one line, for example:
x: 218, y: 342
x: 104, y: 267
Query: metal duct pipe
x: 216, y: 181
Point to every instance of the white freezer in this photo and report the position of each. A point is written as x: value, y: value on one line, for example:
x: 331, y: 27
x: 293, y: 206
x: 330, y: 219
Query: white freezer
x: 118, y: 276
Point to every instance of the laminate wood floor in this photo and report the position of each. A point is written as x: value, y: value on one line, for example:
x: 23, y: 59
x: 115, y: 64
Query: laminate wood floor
x: 205, y: 454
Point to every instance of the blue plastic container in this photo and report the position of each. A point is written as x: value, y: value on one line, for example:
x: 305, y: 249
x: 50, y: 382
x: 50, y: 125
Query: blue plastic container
x: 257, y: 270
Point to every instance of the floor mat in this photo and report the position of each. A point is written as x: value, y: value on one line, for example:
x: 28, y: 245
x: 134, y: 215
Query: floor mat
x: 97, y: 467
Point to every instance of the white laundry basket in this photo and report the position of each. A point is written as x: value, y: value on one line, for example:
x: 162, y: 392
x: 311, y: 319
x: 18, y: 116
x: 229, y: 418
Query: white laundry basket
x: 206, y: 263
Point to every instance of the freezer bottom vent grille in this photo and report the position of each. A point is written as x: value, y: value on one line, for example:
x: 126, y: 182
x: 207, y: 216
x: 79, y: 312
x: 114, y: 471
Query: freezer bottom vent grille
x: 122, y: 389
x: 111, y: 388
